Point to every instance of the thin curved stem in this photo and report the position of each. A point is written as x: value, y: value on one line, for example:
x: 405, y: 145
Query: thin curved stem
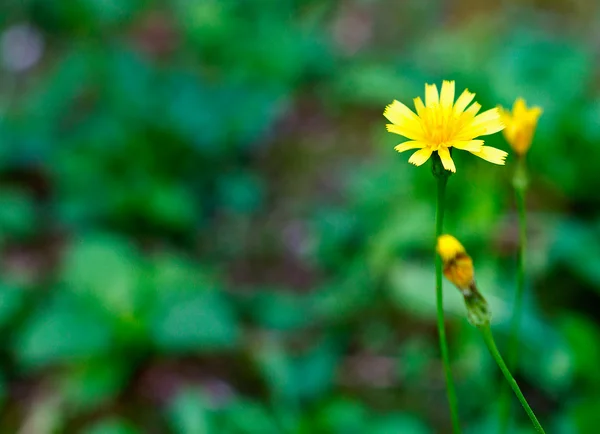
x: 520, y: 184
x: 489, y: 341
x: 439, y: 222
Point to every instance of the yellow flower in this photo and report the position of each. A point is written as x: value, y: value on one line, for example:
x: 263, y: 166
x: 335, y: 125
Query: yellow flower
x: 520, y: 125
x: 458, y: 265
x: 441, y: 124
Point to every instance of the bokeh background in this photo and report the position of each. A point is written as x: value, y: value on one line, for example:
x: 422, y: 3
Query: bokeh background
x: 204, y: 227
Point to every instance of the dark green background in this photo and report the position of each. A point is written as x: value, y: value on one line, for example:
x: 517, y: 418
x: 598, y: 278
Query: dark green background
x: 204, y: 227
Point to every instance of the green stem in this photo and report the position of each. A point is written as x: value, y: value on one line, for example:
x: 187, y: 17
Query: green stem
x: 518, y: 307
x: 442, y: 180
x: 489, y: 341
x: 520, y: 185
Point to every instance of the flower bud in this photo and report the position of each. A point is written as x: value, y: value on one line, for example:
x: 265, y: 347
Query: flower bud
x: 520, y: 125
x: 458, y: 269
x: 458, y: 266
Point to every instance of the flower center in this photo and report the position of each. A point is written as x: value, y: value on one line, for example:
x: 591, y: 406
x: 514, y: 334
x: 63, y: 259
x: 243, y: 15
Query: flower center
x: 439, y: 126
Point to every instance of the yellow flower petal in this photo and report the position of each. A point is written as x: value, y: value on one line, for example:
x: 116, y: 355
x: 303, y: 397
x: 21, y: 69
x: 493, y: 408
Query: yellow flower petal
x: 493, y: 155
x: 420, y: 157
x: 446, y: 159
x: 449, y: 247
x: 419, y: 106
x: 397, y: 113
x: 409, y: 130
x: 447, y: 94
x: 487, y: 116
x: 460, y: 272
x: 472, y: 110
x: 463, y: 101
x: 484, y: 124
x: 409, y: 145
x: 432, y: 97
x: 519, y: 108
x: 468, y: 145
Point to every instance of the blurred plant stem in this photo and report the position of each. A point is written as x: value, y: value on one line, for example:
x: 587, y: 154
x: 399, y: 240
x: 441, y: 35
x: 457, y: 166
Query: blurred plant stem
x: 441, y: 176
x: 520, y: 182
x: 489, y: 341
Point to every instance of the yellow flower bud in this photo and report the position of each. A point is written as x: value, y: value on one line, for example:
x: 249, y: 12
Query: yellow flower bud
x: 458, y: 269
x: 520, y: 125
x: 458, y: 266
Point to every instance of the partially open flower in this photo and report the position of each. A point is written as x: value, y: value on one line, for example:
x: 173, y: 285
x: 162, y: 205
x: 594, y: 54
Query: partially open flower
x: 520, y: 125
x: 458, y: 269
x: 458, y: 266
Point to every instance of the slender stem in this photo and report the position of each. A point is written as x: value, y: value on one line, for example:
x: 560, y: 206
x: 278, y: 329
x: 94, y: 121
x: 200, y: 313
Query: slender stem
x: 513, y: 348
x: 439, y: 222
x: 489, y: 341
x: 520, y: 185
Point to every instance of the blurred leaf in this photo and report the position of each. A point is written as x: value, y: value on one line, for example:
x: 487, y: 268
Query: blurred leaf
x: 399, y: 423
x: 277, y: 370
x: 92, y: 384
x: 241, y: 193
x: 315, y: 370
x: 306, y: 376
x: 582, y: 336
x: 105, y: 269
x: 376, y: 84
x: 194, y: 322
x: 11, y: 301
x: 57, y: 92
x: 129, y: 81
x: 248, y: 417
x: 4, y: 390
x: 190, y: 111
x: 280, y: 310
x: 188, y: 414
x: 575, y: 244
x: 112, y: 426
x: 171, y: 272
x: 346, y: 295
x: 110, y: 12
x: 45, y: 414
x: 585, y: 414
x: 343, y: 417
x: 17, y: 214
x: 172, y: 206
x: 62, y: 330
x: 407, y: 283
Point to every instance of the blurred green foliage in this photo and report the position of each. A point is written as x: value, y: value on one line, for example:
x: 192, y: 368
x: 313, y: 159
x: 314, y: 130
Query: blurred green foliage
x: 204, y: 227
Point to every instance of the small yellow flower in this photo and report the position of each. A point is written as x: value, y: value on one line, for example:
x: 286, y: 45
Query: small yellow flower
x: 441, y: 123
x: 520, y: 125
x: 458, y: 265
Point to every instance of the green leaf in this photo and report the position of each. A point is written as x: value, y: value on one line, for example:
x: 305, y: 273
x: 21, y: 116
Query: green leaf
x: 399, y: 423
x: 248, y: 417
x: 110, y: 12
x: 188, y: 414
x: 280, y: 310
x: 241, y: 193
x: 105, y: 269
x: 583, y: 336
x: 92, y: 384
x: 112, y: 426
x: 17, y: 214
x: 194, y: 322
x: 343, y: 417
x: 315, y: 371
x: 62, y: 330
x: 11, y: 300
